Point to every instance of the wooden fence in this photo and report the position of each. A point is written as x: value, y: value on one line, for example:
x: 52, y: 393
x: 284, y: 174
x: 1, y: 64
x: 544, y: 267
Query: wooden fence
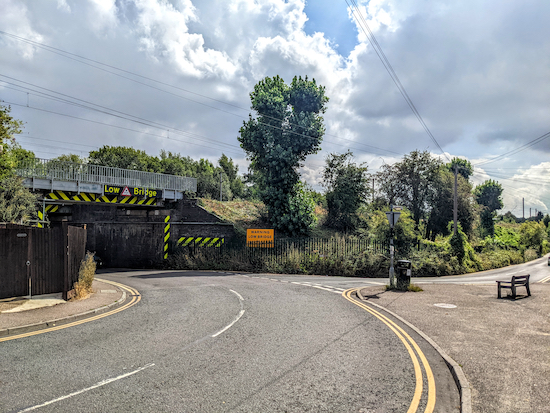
x: 37, y: 261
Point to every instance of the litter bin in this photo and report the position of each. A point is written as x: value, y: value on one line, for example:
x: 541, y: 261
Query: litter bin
x: 403, y: 274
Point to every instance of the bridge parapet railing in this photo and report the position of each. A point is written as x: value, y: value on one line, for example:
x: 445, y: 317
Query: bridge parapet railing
x: 106, y: 175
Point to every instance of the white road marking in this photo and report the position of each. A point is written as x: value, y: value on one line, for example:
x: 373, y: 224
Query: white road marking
x: 237, y: 294
x: 95, y: 386
x: 227, y: 327
x: 322, y: 288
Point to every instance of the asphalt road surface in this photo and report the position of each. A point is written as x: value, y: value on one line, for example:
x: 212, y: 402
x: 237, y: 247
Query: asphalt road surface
x: 215, y: 342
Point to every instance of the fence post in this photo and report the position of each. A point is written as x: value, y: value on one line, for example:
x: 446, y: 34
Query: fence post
x: 66, y: 286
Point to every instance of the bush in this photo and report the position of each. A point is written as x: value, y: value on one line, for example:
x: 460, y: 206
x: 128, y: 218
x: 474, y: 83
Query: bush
x: 86, y: 273
x: 530, y: 254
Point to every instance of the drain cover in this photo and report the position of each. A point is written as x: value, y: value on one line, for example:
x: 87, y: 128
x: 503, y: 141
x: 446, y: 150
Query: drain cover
x: 443, y: 305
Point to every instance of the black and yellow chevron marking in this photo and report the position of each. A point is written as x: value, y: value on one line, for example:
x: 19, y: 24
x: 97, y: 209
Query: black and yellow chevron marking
x: 166, y: 235
x: 40, y: 218
x: 112, y: 199
x: 200, y: 241
x: 51, y: 208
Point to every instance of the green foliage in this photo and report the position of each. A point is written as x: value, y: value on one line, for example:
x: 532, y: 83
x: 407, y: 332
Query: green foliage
x: 532, y: 234
x: 463, y: 167
x: 9, y: 127
x: 442, y: 205
x: 411, y: 182
x: 17, y: 203
x: 125, y: 158
x: 489, y: 194
x: 347, y: 189
x: 288, y: 127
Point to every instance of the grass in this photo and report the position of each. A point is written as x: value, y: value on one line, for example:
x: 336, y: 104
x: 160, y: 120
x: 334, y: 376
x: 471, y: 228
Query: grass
x: 86, y: 274
x: 243, y: 214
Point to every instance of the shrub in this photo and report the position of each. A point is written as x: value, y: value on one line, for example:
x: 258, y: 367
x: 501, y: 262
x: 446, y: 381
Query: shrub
x: 86, y: 273
x: 530, y: 254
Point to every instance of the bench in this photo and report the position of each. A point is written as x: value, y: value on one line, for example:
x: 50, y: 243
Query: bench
x: 516, y: 281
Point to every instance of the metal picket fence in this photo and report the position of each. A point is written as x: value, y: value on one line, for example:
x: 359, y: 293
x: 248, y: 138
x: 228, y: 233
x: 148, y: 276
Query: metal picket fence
x: 279, y: 250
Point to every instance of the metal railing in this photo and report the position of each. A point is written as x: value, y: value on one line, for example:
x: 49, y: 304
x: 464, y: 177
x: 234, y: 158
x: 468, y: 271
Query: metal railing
x: 106, y: 175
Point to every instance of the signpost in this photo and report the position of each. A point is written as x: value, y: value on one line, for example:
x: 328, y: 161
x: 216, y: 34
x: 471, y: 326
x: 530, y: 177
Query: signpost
x: 393, y: 217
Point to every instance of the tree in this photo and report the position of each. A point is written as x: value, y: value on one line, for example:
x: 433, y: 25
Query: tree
x: 287, y: 128
x: 488, y: 195
x: 416, y: 177
x: 17, y: 203
x: 125, y: 158
x: 463, y: 166
x: 347, y: 189
x: 9, y: 127
x: 231, y: 170
x: 387, y: 186
x: 442, y: 205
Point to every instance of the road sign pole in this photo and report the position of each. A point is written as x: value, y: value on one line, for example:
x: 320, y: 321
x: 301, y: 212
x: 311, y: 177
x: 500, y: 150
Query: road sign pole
x: 392, y: 271
x: 393, y: 217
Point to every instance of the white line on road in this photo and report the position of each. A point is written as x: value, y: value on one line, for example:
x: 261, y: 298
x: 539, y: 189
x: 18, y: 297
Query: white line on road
x: 227, y: 327
x: 237, y: 294
x: 95, y: 386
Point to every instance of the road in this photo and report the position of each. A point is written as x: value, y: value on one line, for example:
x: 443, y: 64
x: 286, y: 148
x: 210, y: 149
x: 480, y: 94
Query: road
x: 218, y: 342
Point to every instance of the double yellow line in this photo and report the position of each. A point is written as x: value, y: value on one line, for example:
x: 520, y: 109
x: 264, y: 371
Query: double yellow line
x: 409, y: 344
x: 545, y: 280
x: 132, y: 292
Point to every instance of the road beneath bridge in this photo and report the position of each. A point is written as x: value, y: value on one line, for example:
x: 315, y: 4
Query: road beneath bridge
x: 214, y: 342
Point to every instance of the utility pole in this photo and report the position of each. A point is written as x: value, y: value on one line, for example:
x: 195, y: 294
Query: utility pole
x: 523, y: 202
x: 373, y: 190
x: 455, y: 208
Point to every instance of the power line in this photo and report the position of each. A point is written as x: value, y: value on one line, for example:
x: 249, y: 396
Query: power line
x: 516, y: 150
x: 85, y: 60
x: 387, y: 65
x: 116, y: 126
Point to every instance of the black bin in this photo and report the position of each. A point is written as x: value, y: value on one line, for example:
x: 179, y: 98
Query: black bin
x: 404, y: 272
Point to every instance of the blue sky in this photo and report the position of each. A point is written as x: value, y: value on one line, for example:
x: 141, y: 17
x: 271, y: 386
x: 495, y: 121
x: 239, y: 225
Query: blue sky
x: 332, y: 19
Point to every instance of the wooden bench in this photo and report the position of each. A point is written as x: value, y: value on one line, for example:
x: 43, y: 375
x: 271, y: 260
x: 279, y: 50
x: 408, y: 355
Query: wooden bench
x: 516, y: 281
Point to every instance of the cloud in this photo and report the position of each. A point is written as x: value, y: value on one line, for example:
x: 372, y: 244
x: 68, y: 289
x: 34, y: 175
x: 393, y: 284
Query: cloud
x: 477, y: 72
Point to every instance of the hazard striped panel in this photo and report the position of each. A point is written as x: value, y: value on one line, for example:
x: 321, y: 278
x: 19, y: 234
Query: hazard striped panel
x: 51, y: 208
x: 40, y: 218
x: 200, y: 241
x: 112, y: 199
x: 166, y: 235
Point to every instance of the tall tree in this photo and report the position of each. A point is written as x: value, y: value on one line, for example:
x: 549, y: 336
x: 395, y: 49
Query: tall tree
x: 288, y: 127
x: 463, y: 167
x: 231, y: 171
x: 443, y: 203
x: 488, y: 195
x: 416, y: 177
x: 347, y: 189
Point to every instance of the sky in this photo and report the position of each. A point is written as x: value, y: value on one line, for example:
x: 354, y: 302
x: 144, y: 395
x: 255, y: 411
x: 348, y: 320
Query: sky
x: 175, y: 75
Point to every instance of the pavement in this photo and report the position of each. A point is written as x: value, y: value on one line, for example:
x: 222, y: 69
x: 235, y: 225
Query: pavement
x: 500, y: 348
x: 501, y: 345
x: 25, y: 315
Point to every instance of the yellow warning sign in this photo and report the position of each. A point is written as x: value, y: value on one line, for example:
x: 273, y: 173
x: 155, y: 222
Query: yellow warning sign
x: 262, y: 238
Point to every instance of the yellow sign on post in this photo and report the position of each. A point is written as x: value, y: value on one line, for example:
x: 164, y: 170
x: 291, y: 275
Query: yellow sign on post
x: 260, y: 238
